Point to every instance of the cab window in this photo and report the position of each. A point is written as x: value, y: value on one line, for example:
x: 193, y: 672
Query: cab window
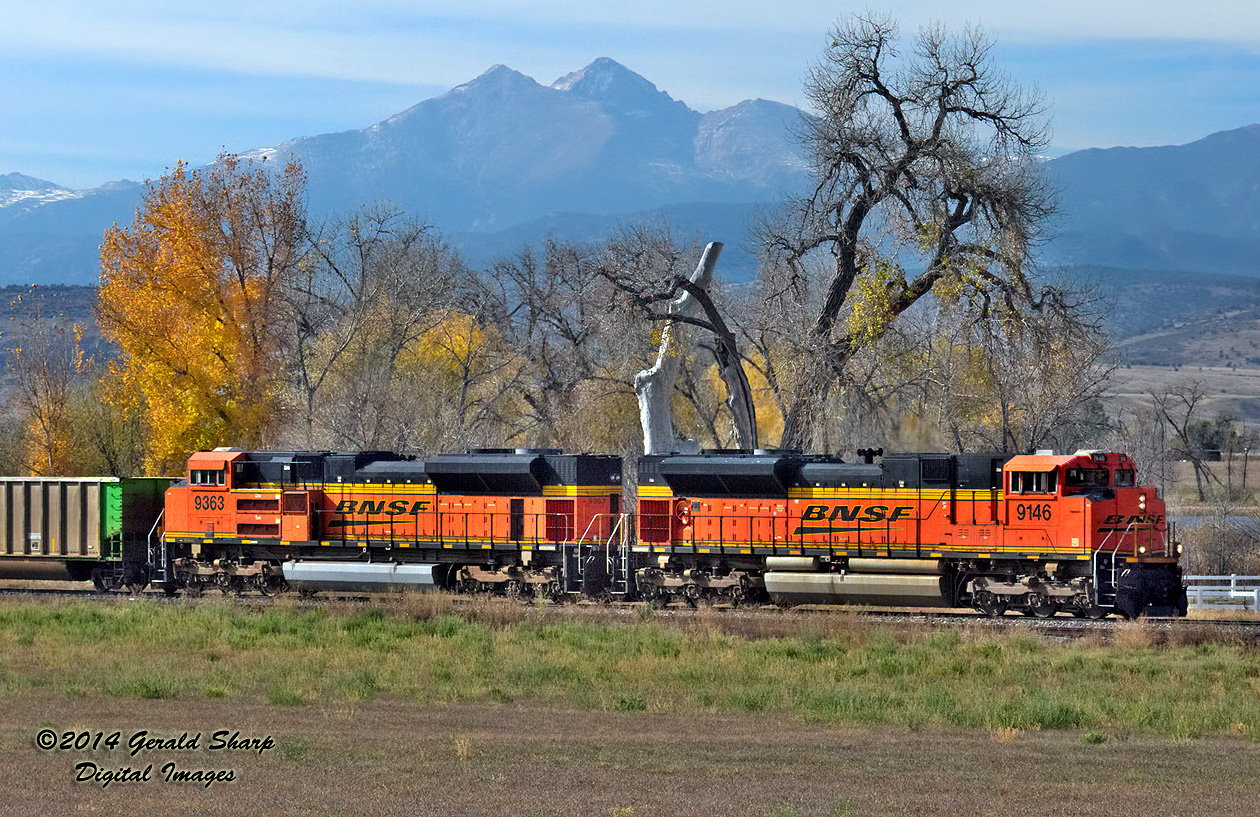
x: 206, y: 477
x: 1034, y: 482
x: 1125, y: 478
x: 1087, y: 478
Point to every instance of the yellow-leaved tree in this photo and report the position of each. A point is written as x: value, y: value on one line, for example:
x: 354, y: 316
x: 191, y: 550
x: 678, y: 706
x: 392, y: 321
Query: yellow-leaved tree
x: 191, y: 293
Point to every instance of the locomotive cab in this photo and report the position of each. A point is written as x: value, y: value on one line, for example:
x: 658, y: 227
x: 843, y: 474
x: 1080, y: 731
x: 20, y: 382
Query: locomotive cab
x: 202, y: 506
x: 1092, y: 500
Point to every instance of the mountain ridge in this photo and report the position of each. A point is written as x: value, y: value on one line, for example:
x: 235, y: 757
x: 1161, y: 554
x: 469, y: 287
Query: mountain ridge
x: 502, y: 154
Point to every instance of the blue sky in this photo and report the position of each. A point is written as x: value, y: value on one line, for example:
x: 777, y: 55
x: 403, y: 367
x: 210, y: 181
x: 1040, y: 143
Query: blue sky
x: 91, y: 92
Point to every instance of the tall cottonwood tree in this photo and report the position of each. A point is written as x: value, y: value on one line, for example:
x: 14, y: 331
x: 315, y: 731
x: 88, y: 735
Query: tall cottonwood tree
x: 923, y: 160
x: 191, y: 294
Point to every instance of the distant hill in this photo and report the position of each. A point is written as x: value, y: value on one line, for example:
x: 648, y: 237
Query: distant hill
x: 51, y: 235
x: 1184, y: 207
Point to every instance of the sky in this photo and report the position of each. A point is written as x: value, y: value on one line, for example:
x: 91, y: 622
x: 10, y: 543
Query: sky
x: 94, y: 92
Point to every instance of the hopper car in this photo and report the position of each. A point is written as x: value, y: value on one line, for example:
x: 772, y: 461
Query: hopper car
x: 96, y: 529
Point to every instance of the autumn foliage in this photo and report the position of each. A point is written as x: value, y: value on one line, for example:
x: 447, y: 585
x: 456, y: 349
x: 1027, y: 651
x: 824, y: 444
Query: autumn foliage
x: 191, y: 294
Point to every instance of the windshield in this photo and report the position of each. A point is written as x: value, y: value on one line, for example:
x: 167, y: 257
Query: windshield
x: 1087, y: 477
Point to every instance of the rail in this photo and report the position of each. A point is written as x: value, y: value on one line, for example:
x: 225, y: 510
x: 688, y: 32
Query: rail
x: 1223, y: 592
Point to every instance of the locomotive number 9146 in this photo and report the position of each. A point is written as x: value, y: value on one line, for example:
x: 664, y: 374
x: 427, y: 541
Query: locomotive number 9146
x: 1025, y: 511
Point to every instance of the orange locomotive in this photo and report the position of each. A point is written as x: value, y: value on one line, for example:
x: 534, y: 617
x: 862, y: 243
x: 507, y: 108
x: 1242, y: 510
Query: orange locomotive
x: 1037, y: 533
x: 519, y: 521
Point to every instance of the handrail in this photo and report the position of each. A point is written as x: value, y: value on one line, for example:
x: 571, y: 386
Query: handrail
x: 155, y: 546
x: 440, y: 536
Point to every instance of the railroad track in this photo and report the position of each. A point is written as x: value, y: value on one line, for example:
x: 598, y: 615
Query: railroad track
x: 1065, y: 628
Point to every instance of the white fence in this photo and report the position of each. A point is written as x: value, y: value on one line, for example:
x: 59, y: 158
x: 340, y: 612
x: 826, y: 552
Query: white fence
x: 1223, y: 592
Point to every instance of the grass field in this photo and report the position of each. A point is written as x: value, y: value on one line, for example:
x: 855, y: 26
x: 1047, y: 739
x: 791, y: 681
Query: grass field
x: 417, y: 706
x: 836, y: 669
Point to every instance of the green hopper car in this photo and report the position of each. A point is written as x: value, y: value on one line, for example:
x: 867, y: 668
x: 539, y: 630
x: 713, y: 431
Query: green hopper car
x: 80, y: 528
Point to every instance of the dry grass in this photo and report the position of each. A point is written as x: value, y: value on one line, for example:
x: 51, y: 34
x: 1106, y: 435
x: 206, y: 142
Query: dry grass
x: 1006, y: 734
x: 1135, y: 635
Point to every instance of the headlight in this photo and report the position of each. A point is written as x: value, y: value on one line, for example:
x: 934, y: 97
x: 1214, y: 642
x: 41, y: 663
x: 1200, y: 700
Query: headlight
x: 1180, y: 550
x: 1142, y: 549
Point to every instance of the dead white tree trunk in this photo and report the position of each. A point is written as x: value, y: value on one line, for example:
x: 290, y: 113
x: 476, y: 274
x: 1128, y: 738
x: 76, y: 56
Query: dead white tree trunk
x: 655, y: 385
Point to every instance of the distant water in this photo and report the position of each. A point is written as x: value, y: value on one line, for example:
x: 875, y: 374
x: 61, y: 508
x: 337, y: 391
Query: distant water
x: 1188, y: 522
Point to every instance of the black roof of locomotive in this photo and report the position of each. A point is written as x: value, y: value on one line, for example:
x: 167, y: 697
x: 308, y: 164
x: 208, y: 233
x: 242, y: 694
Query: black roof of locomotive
x: 722, y: 472
x: 773, y: 473
x: 520, y: 471
x: 503, y: 471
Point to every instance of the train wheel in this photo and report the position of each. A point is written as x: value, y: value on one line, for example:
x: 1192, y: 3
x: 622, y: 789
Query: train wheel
x: 194, y: 588
x: 991, y: 604
x: 1042, y: 606
x: 513, y: 589
x: 98, y: 580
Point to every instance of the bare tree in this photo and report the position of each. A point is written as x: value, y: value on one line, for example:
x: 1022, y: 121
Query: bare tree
x: 376, y: 283
x: 924, y: 178
x: 1179, y: 408
x: 577, y: 345
x: 1225, y: 540
x: 46, y: 361
x: 1016, y: 387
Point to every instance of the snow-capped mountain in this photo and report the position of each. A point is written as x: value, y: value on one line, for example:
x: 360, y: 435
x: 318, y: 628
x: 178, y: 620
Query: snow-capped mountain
x: 504, y: 149
x: 504, y: 160
x: 491, y: 156
x: 17, y: 190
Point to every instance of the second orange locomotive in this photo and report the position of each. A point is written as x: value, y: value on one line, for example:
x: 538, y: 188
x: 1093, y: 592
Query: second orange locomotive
x: 1039, y: 533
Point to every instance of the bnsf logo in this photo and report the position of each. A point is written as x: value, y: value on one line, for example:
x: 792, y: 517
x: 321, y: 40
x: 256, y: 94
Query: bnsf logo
x: 850, y: 513
x: 1139, y: 519
x: 350, y: 507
